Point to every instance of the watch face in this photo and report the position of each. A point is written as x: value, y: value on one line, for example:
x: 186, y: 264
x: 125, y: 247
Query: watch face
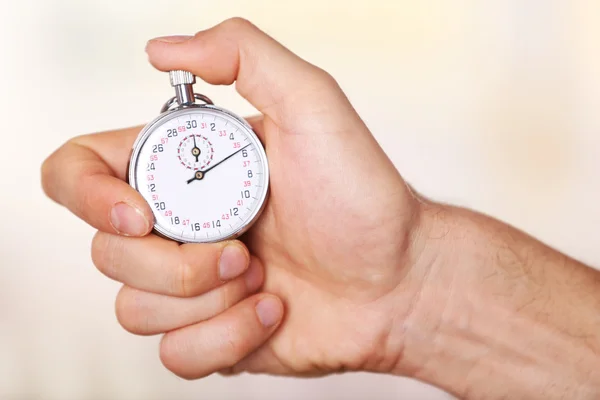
x: 203, y: 171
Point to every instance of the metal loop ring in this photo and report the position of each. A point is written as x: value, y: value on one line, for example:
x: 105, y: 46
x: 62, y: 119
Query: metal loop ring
x: 173, y: 102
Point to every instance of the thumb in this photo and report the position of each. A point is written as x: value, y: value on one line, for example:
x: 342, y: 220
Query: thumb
x: 281, y: 85
x: 303, y: 101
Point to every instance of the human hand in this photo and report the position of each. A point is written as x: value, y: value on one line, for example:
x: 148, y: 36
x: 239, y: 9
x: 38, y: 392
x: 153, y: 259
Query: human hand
x: 336, y: 251
x: 347, y: 269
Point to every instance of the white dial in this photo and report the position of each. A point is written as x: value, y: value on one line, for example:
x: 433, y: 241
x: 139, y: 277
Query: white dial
x: 204, y: 173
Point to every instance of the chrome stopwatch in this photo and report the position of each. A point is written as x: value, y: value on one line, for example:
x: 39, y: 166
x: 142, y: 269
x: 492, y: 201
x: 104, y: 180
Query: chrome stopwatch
x: 201, y: 168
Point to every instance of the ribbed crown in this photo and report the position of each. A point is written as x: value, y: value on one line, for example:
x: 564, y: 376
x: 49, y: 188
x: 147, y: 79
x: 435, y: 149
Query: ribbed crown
x: 181, y: 78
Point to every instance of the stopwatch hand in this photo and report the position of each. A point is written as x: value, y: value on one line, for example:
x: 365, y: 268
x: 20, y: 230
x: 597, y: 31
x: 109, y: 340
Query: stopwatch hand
x: 195, y: 151
x: 199, y: 175
x: 225, y: 159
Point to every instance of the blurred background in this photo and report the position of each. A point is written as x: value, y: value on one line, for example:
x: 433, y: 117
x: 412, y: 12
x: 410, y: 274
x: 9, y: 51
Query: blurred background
x: 489, y: 104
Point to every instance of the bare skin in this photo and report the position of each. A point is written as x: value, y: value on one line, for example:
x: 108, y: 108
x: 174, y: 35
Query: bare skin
x: 347, y: 269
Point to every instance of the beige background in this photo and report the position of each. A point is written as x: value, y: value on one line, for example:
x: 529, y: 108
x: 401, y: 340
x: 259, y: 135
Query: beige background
x: 494, y: 105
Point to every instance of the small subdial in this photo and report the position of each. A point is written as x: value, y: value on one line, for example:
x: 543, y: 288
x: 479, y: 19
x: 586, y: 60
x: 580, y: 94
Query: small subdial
x: 195, y: 152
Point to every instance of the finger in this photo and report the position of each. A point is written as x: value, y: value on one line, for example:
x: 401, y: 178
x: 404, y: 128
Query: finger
x: 87, y: 174
x: 202, y: 349
x: 277, y: 82
x: 257, y: 123
x: 162, y: 266
x: 144, y: 313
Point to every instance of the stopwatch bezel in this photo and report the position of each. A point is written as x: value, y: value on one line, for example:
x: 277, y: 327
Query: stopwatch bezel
x: 147, y: 131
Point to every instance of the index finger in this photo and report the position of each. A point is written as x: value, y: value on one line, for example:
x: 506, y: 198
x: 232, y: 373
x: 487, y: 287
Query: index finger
x: 87, y: 175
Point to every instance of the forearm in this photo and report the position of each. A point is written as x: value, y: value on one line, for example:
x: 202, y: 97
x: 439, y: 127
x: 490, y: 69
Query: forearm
x: 502, y: 315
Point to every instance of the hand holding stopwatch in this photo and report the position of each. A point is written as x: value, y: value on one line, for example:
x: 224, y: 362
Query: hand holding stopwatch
x: 187, y: 138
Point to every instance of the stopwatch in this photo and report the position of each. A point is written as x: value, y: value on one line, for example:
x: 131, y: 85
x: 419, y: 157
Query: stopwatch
x: 201, y: 168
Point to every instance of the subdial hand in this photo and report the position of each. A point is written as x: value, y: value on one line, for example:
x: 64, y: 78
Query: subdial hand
x: 196, y: 151
x: 199, y: 175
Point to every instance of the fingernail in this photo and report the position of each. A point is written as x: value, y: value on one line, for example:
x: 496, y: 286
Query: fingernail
x: 128, y: 220
x: 269, y: 311
x: 233, y: 262
x: 254, y: 276
x: 173, y: 39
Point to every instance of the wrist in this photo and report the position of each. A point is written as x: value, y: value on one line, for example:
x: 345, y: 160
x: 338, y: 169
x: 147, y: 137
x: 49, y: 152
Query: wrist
x: 479, y: 327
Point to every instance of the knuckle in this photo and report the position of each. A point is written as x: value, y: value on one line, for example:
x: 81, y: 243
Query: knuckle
x: 227, y: 297
x: 238, y: 24
x: 227, y: 372
x: 231, y: 293
x: 50, y: 168
x: 325, y: 78
x: 232, y: 370
x: 187, y: 281
x: 47, y: 172
x: 82, y: 205
x: 170, y: 354
x: 99, y: 251
x: 234, y: 348
x: 79, y: 139
x: 195, y: 269
x: 107, y: 254
x: 130, y: 314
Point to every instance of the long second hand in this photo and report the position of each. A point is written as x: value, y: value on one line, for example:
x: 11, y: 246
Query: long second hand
x: 202, y: 174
